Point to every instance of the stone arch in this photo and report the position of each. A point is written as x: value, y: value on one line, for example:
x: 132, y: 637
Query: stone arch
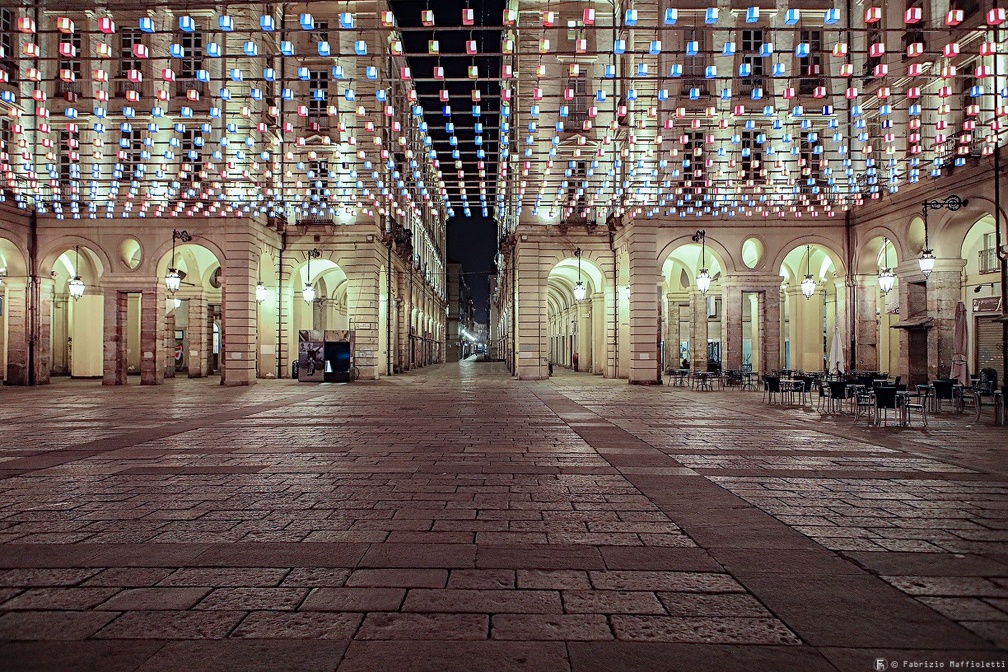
x: 818, y: 242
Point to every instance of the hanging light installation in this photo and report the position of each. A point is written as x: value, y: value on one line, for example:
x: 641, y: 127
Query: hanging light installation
x: 76, y: 286
x: 308, y: 292
x: 886, y: 277
x: 703, y: 278
x: 579, y: 287
x: 173, y: 279
x: 808, y: 284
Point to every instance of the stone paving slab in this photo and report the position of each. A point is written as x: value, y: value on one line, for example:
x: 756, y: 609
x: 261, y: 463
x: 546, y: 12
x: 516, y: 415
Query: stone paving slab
x: 456, y: 519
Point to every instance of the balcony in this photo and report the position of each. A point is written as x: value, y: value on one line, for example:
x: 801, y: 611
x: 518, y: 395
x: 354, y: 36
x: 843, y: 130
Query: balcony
x: 750, y: 84
x: 807, y: 85
x: 987, y: 261
x: 183, y: 86
x: 123, y: 86
x: 317, y: 123
x: 65, y: 89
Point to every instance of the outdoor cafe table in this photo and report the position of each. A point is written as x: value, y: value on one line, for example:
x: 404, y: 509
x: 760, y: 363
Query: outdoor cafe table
x: 792, y: 385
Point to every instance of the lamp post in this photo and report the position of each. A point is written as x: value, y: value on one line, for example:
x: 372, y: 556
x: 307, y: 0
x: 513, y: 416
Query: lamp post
x: 886, y: 277
x: 703, y: 278
x: 76, y: 286
x: 579, y: 288
x: 308, y: 292
x: 173, y: 279
x: 808, y: 284
x: 953, y: 203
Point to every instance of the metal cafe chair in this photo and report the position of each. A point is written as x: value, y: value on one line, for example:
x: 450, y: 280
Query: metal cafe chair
x: 885, y: 399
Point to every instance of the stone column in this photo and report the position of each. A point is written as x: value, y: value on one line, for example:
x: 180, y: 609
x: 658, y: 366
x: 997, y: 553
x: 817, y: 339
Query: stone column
x: 698, y: 331
x: 866, y: 358
x: 363, y: 271
x: 770, y: 328
x: 644, y: 306
x: 18, y: 330
x: 533, y: 329
x: 43, y: 342
x: 196, y: 337
x: 238, y: 319
x: 756, y: 327
x: 152, y: 321
x: 672, y: 360
x: 944, y: 291
x: 169, y: 339
x: 731, y: 321
x: 599, y: 331
x: 114, y: 328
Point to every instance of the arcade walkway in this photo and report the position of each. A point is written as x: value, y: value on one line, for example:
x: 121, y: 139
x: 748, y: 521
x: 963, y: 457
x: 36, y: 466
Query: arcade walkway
x: 455, y: 519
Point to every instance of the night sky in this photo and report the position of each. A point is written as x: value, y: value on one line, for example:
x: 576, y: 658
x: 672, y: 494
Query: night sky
x: 472, y: 241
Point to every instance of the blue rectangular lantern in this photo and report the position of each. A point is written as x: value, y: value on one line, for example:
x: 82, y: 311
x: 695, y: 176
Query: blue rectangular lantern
x: 671, y: 16
x: 307, y: 22
x: 267, y: 23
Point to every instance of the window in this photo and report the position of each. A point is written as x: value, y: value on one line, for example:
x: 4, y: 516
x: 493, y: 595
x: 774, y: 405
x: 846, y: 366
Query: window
x: 192, y: 58
x: 692, y: 155
x: 968, y: 7
x: 8, y: 45
x: 915, y: 32
x: 319, y: 180
x: 810, y: 174
x: 752, y: 40
x: 5, y: 138
x: 72, y: 64
x: 131, y: 146
x: 694, y: 66
x: 577, y: 107
x: 988, y: 261
x: 127, y: 61
x: 320, y: 34
x: 318, y: 98
x: 873, y: 36
x: 192, y: 155
x: 752, y: 155
x: 810, y: 67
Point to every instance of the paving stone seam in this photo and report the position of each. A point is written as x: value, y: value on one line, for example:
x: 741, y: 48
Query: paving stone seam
x: 546, y: 394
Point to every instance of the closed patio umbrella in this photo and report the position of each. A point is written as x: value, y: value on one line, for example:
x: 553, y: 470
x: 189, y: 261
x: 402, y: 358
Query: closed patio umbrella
x: 960, y: 341
x: 836, y: 357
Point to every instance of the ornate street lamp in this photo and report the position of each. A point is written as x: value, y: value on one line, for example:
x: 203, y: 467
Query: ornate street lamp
x: 626, y: 291
x: 260, y: 292
x: 76, y: 286
x: 308, y: 292
x: 927, y: 258
x: 579, y: 288
x: 703, y: 278
x: 173, y: 279
x: 808, y: 284
x: 886, y: 277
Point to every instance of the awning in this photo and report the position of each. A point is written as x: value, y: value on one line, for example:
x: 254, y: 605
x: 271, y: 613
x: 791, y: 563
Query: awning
x: 914, y: 322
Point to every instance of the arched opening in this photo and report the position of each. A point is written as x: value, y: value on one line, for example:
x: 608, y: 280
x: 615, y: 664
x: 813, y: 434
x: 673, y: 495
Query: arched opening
x: 693, y: 331
x: 575, y: 313
x: 878, y: 349
x: 192, y: 312
x: 812, y: 306
x: 267, y: 296
x: 76, y: 326
x: 982, y: 292
x: 13, y: 272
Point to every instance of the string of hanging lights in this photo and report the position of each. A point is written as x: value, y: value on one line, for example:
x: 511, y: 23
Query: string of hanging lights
x: 726, y: 121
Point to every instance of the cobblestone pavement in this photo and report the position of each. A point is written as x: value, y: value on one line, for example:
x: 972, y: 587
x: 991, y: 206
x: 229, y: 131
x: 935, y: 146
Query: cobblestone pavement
x: 455, y: 519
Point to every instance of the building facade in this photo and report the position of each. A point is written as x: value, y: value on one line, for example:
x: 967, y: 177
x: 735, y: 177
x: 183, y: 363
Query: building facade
x: 462, y: 333
x: 282, y: 193
x: 658, y: 150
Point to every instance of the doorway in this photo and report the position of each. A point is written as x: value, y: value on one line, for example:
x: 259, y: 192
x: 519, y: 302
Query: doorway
x: 917, y: 365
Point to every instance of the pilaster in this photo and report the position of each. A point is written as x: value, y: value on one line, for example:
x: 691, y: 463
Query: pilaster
x: 239, y: 320
x: 18, y: 330
x: 698, y: 331
x: 196, y: 337
x: 731, y: 321
x: 116, y: 308
x: 152, y: 321
x: 644, y: 304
